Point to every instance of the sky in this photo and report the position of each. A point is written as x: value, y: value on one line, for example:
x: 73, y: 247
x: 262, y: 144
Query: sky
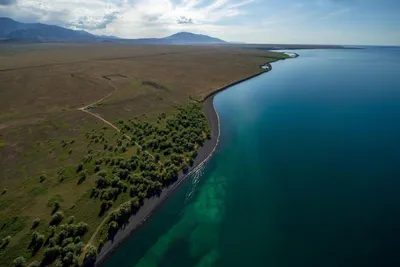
x: 352, y: 22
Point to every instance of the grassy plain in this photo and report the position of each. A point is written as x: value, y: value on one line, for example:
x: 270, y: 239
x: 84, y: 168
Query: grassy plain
x: 44, y: 135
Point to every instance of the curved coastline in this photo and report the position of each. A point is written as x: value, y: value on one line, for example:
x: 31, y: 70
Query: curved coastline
x: 204, y: 154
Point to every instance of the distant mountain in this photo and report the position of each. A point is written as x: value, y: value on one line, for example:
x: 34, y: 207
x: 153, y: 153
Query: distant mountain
x: 191, y: 38
x: 38, y: 32
x: 108, y: 36
x: 12, y: 30
x: 8, y: 25
x: 47, y: 33
x: 178, y: 38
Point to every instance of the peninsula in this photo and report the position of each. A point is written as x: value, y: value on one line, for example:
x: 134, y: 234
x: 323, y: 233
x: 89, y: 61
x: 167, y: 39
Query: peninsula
x: 95, y: 136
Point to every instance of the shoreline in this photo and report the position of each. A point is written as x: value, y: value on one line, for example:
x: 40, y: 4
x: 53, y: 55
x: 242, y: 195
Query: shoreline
x: 203, y: 155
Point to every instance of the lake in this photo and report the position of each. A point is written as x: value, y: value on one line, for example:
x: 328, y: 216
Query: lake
x: 307, y: 172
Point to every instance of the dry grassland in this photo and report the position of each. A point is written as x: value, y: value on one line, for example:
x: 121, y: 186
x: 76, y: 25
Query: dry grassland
x: 43, y: 132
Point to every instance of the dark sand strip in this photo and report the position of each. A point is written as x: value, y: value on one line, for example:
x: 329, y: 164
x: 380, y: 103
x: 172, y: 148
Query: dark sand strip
x: 150, y: 205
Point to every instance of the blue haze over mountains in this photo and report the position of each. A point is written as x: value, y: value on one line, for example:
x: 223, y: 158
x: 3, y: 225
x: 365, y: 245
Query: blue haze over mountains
x: 14, y: 31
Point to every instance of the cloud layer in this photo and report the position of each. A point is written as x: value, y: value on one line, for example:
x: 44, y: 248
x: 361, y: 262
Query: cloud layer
x: 126, y: 18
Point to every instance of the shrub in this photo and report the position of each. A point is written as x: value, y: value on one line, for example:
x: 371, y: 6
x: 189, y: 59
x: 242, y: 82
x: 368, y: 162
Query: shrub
x: 36, y: 241
x: 95, y: 193
x: 134, y: 202
x: 52, y: 242
x: 35, y: 223
x: 102, y: 173
x: 51, y: 254
x: 113, y: 227
x: 5, y: 241
x: 34, y: 264
x: 68, y: 230
x: 102, y: 182
x: 56, y: 218
x: 19, y: 262
x: 63, y: 143
x: 91, y: 254
x: 81, y: 229
x: 69, y: 259
x: 96, y: 168
x: 79, y: 167
x: 82, y: 176
x: 78, y: 248
x: 105, y: 205
x: 71, y: 220
x: 56, y: 206
x: 66, y: 242
x: 42, y: 178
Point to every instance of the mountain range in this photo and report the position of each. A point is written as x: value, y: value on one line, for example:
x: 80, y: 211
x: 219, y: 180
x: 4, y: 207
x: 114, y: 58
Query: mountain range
x: 14, y: 31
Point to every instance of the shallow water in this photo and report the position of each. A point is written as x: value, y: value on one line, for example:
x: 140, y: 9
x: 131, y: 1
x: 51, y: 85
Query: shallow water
x: 307, y: 173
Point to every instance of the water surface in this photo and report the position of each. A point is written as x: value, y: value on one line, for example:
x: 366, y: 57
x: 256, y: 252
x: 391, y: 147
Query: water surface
x: 307, y: 173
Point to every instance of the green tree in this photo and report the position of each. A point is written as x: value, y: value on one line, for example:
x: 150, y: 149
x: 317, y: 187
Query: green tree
x: 91, y: 254
x: 69, y: 259
x: 34, y: 264
x: 113, y: 227
x: 81, y: 229
x: 5, y: 241
x: 71, y: 220
x: 56, y: 218
x: 82, y: 176
x: 50, y: 255
x: 42, y: 178
x: 79, y: 167
x: 37, y: 241
x: 19, y: 262
x: 51, y: 231
x: 56, y: 207
x: 96, y: 168
x: 35, y: 223
x: 102, y: 173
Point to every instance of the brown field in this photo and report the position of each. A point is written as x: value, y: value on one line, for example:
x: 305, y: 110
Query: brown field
x: 42, y: 129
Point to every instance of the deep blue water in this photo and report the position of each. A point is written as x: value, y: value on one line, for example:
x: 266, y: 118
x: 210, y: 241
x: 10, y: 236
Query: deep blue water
x: 307, y: 172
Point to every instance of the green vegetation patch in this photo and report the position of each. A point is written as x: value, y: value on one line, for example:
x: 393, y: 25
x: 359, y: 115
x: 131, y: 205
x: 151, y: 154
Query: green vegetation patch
x: 109, y: 184
x: 11, y: 226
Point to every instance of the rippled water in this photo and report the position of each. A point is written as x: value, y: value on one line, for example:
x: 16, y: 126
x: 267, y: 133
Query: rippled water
x: 306, y: 174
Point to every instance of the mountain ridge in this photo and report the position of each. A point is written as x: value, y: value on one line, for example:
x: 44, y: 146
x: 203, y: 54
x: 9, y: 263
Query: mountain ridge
x: 12, y: 30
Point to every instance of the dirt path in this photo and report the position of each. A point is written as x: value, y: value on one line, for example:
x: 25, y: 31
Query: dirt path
x: 86, y: 110
x: 102, y: 99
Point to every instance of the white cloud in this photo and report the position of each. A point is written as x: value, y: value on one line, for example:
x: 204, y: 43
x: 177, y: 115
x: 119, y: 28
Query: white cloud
x: 125, y: 18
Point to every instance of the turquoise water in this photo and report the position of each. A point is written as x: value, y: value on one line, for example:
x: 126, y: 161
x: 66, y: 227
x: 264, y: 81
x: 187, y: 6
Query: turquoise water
x: 307, y: 173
